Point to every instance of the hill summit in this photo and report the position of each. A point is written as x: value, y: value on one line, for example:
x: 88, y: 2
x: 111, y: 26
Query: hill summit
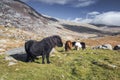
x: 15, y: 13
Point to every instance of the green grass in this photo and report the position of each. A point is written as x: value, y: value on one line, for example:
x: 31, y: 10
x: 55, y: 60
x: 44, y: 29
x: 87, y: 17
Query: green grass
x: 73, y: 65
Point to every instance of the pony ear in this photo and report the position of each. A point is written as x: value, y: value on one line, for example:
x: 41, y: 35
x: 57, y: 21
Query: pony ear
x: 56, y: 39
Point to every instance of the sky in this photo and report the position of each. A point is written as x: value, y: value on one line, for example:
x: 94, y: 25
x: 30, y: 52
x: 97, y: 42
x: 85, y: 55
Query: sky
x: 87, y: 11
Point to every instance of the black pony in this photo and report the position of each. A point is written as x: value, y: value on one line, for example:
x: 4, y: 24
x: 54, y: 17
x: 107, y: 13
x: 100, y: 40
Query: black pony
x: 42, y: 48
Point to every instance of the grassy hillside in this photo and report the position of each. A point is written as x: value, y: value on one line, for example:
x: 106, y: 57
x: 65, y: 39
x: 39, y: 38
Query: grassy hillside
x: 73, y: 65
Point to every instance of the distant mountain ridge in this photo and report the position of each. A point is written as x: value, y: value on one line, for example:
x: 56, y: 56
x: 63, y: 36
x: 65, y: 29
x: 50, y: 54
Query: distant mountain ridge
x: 102, y: 25
x: 20, y: 15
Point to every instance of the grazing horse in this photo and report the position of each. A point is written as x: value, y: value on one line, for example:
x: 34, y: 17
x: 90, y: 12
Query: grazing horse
x: 42, y: 48
x: 117, y: 47
x: 83, y: 45
x: 68, y: 45
x: 79, y: 45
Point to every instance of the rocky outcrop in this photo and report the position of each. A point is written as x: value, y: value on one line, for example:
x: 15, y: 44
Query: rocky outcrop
x: 15, y: 13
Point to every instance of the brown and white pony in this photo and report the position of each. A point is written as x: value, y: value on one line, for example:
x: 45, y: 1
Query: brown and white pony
x: 79, y: 45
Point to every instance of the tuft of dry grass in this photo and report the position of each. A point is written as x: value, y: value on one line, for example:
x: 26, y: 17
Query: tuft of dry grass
x: 113, y: 40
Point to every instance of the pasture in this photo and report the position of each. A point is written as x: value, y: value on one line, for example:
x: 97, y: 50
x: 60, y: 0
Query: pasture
x: 72, y: 65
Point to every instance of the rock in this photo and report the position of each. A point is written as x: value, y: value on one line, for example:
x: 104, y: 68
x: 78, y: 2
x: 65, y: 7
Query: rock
x: 112, y: 66
x: 8, y: 25
x: 11, y: 63
x: 20, y: 50
x: 2, y: 50
x: 3, y: 46
x: 9, y: 58
x: 105, y: 64
x: 117, y: 47
x: 3, y: 41
x: 17, y: 54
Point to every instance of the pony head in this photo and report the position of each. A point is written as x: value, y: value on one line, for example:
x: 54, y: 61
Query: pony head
x: 58, y: 40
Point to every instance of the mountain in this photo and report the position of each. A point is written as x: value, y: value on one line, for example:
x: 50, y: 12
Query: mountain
x: 15, y: 13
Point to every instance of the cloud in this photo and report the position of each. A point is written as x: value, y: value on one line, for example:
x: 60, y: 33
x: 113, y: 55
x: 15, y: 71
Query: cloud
x: 107, y: 18
x: 74, y: 3
x: 81, y: 20
x: 84, y: 3
x: 25, y: 0
x: 62, y: 2
x: 77, y: 19
x: 93, y: 13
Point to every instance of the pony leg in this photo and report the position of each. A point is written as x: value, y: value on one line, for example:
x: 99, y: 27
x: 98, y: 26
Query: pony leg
x: 66, y: 49
x: 83, y: 48
x: 32, y: 58
x: 76, y: 47
x: 47, y: 57
x: 43, y: 57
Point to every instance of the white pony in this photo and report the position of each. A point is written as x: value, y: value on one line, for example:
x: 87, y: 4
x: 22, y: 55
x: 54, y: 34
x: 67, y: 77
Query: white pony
x: 78, y: 45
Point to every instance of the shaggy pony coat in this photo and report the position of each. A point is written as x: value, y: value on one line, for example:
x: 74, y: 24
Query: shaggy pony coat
x: 68, y: 45
x: 42, y: 48
x: 83, y: 45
